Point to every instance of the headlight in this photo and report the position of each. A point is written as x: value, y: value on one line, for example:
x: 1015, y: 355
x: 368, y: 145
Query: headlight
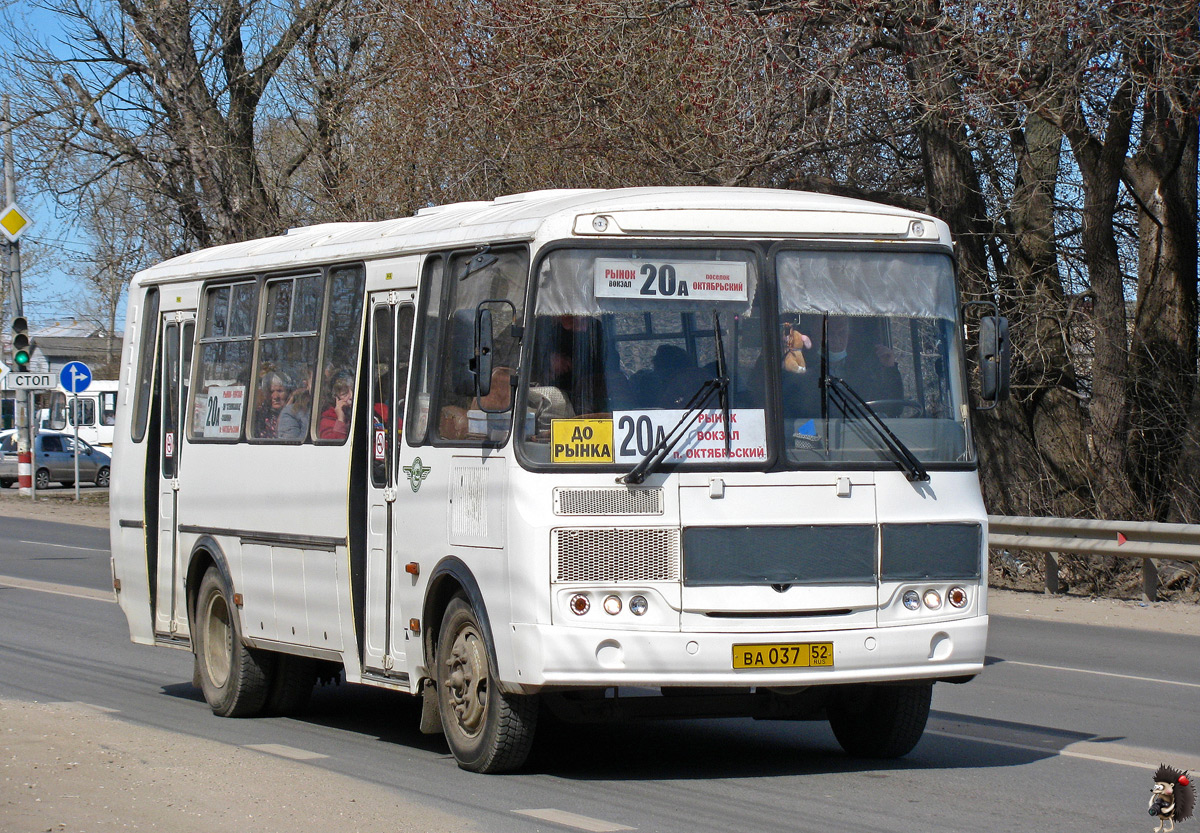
x: 912, y: 600
x: 932, y: 600
x: 612, y: 605
x: 638, y: 605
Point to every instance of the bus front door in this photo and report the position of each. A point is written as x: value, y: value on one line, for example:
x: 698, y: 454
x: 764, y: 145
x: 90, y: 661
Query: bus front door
x: 385, y: 647
x: 170, y: 609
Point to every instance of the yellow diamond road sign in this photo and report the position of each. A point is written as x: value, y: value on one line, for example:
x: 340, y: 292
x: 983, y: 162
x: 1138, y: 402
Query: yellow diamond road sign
x: 13, y: 221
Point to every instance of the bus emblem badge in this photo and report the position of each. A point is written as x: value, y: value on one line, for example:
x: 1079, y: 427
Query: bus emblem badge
x: 416, y: 473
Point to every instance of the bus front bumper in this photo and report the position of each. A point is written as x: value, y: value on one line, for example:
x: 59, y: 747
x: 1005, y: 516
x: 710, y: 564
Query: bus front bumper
x: 546, y: 655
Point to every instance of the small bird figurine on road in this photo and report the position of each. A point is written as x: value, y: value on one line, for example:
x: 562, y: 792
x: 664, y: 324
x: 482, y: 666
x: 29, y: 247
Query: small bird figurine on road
x: 1172, y: 799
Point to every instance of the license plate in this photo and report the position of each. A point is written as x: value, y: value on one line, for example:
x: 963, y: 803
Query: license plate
x: 791, y: 655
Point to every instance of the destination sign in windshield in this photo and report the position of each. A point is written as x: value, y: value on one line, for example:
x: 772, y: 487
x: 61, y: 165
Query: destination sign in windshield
x: 703, y: 280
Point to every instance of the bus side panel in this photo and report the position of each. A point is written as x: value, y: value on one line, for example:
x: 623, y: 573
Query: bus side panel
x: 126, y: 499
x: 258, y: 498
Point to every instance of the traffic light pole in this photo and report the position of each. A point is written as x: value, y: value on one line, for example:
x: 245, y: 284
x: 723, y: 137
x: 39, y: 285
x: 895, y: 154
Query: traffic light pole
x: 22, y: 404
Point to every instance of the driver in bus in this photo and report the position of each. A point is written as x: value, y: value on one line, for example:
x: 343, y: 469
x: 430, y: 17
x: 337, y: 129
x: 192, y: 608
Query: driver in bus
x: 866, y: 364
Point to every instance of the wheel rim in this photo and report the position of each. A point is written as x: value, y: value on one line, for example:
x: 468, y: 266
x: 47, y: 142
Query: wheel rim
x: 218, y: 640
x: 102, y: 478
x: 43, y: 479
x: 466, y: 681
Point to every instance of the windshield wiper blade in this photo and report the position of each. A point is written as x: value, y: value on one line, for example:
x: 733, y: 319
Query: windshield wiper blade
x: 659, y: 451
x: 723, y: 377
x: 851, y: 403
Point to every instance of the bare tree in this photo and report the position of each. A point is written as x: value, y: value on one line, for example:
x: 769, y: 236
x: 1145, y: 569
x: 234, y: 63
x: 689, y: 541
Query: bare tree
x: 170, y: 89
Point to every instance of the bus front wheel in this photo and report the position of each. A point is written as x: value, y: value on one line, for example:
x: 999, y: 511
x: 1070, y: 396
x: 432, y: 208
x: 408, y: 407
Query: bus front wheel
x: 233, y: 677
x: 883, y: 721
x: 487, y: 730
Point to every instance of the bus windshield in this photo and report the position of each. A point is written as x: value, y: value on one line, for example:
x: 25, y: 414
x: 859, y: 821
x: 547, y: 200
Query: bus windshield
x: 623, y: 339
x: 883, y: 323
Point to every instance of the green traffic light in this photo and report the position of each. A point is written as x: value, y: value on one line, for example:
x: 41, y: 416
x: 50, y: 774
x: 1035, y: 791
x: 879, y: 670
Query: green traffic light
x: 21, y: 357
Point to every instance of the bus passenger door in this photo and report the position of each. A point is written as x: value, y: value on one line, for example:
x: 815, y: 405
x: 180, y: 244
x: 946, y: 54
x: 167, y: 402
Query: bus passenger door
x: 170, y: 613
x: 388, y: 356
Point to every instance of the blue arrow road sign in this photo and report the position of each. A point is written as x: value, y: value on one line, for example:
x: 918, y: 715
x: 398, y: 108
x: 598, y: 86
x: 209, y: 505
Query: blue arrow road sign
x: 75, y: 377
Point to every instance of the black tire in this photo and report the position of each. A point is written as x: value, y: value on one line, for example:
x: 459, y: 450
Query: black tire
x: 42, y: 479
x: 234, y: 678
x: 102, y: 477
x: 6, y: 484
x: 883, y: 721
x: 292, y: 682
x: 487, y: 730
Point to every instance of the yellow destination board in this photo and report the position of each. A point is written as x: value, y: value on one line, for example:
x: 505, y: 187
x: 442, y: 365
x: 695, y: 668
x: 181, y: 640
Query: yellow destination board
x: 581, y: 441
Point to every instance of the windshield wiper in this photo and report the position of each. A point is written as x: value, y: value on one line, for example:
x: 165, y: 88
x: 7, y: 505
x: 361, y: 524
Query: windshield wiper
x: 722, y: 376
x: 659, y: 451
x: 852, y: 404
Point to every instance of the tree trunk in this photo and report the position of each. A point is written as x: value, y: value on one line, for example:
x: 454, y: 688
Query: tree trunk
x: 1163, y: 352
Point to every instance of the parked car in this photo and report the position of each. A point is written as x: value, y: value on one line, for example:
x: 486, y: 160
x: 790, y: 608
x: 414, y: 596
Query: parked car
x: 54, y: 459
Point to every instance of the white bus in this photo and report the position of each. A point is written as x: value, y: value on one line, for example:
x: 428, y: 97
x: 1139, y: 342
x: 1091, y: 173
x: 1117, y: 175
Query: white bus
x: 662, y: 451
x: 94, y: 414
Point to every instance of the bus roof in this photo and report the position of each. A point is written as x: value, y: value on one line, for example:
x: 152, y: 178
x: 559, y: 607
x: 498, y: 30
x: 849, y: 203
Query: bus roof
x: 681, y: 212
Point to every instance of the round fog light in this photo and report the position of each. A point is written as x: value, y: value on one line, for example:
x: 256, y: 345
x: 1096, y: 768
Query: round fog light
x: 911, y: 600
x: 638, y: 605
x: 580, y: 604
x: 612, y: 605
x: 957, y: 597
x: 932, y: 600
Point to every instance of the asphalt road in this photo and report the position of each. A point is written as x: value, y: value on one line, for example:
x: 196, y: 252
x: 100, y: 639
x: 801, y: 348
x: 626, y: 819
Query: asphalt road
x: 1062, y: 730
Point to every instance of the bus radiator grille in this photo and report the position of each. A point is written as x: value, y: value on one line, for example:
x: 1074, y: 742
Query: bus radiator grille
x: 615, y: 501
x: 615, y: 554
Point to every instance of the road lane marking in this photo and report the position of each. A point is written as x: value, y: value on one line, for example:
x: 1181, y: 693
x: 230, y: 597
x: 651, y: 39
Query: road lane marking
x: 1100, y: 673
x: 283, y: 751
x: 63, y: 546
x: 574, y: 820
x: 1134, y: 756
x: 58, y: 589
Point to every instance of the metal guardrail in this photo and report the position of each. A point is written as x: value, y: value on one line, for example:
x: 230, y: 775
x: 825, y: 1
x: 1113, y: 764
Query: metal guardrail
x: 1079, y: 536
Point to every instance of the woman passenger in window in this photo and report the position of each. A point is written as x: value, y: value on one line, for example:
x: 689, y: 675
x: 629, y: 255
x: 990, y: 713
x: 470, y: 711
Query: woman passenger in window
x: 335, y: 420
x: 274, y: 392
x: 293, y: 419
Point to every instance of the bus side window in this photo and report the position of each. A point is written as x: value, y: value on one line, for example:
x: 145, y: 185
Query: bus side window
x: 145, y: 377
x: 226, y: 339
x: 287, y: 357
x: 108, y: 408
x: 503, y: 277
x: 83, y: 411
x: 339, y: 354
x: 426, y: 355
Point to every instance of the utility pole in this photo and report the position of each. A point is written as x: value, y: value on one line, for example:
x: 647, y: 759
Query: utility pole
x: 13, y: 268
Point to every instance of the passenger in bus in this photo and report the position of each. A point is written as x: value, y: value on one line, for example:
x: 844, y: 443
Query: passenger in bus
x: 293, y: 419
x: 676, y: 376
x: 273, y: 394
x: 335, y: 419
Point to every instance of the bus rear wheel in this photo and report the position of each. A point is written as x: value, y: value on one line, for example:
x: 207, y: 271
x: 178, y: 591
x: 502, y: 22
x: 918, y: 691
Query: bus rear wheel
x: 487, y: 730
x: 234, y: 678
x: 883, y: 721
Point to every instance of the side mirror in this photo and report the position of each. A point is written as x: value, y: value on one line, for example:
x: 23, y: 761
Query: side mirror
x: 472, y: 345
x: 483, y: 352
x: 995, y: 358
